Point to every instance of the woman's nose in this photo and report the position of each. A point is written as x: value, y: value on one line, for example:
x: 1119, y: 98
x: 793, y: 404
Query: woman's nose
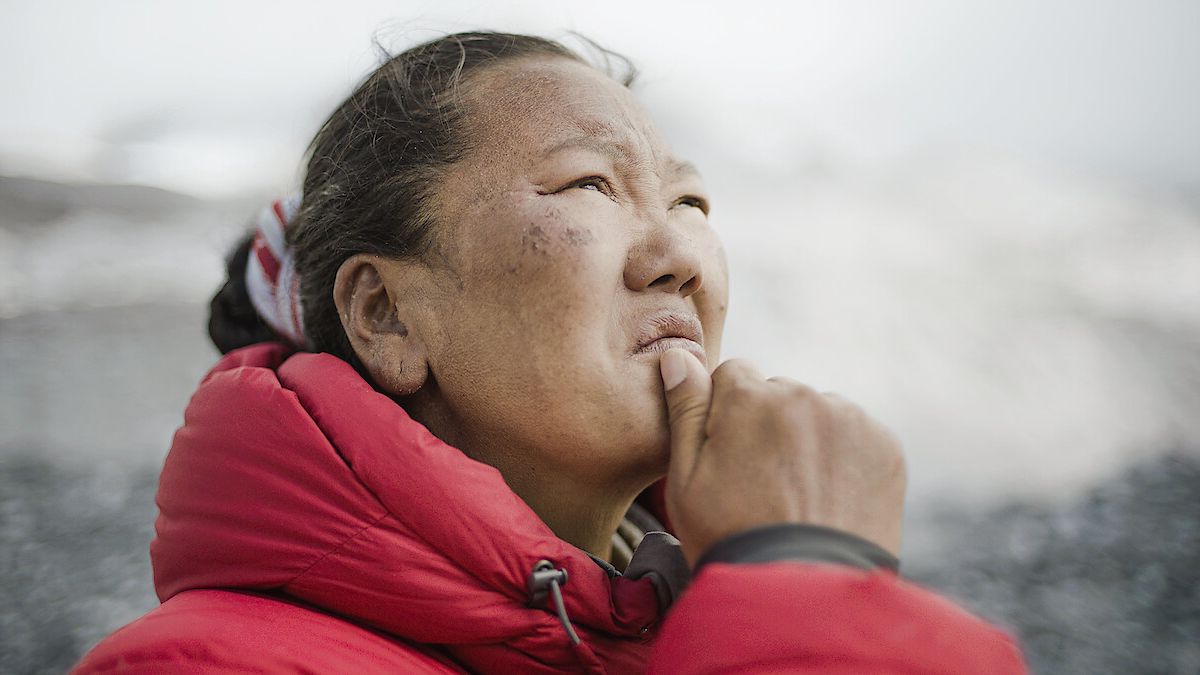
x: 665, y: 257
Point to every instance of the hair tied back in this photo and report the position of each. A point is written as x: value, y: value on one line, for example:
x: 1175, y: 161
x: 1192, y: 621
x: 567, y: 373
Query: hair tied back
x: 271, y: 279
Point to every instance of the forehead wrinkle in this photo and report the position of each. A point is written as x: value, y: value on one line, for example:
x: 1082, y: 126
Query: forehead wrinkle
x: 612, y: 146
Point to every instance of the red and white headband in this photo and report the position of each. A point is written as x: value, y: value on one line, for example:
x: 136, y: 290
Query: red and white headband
x: 271, y: 278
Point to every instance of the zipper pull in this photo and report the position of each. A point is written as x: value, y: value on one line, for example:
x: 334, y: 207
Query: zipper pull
x: 546, y: 580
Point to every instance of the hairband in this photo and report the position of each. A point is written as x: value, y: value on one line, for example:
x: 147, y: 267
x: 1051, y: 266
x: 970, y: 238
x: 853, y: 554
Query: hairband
x: 271, y: 278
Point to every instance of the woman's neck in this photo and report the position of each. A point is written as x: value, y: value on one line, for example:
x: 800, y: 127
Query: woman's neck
x: 583, y: 511
x: 578, y: 516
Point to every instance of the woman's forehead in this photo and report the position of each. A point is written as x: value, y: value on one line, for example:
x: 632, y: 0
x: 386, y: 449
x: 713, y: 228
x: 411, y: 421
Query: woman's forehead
x: 547, y: 105
x: 622, y: 151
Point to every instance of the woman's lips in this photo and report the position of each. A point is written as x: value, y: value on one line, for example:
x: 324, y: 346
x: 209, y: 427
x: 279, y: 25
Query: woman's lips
x: 664, y: 343
x: 672, y: 330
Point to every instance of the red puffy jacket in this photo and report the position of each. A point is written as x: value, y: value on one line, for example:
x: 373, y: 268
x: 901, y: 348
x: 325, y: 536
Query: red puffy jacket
x: 307, y: 524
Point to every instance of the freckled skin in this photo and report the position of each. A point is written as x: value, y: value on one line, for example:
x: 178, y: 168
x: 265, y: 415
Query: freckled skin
x: 531, y: 331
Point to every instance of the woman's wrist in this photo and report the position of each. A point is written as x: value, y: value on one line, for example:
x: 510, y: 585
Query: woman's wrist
x: 798, y: 542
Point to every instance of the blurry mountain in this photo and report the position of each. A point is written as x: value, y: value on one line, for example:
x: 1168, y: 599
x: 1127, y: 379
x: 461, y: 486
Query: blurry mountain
x: 67, y: 245
x: 30, y: 201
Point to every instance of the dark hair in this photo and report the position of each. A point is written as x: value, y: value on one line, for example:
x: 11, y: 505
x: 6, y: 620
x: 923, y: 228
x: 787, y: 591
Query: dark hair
x: 232, y: 320
x: 372, y: 169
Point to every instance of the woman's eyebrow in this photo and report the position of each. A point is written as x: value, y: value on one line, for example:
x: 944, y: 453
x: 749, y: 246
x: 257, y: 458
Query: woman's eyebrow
x: 619, y: 152
x: 681, y: 168
x: 610, y: 148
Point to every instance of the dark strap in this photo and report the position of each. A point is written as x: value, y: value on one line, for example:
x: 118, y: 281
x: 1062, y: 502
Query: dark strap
x: 800, y: 542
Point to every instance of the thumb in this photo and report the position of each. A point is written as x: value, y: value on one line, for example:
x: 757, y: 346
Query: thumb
x: 688, y: 390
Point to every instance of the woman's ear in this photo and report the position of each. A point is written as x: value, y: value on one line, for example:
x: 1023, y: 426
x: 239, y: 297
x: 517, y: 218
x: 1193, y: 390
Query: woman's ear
x: 381, y: 328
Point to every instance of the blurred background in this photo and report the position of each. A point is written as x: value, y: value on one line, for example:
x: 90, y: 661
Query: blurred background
x: 980, y: 220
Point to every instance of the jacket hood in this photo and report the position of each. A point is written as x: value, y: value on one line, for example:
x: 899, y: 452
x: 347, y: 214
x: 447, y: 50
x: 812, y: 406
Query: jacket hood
x: 291, y: 474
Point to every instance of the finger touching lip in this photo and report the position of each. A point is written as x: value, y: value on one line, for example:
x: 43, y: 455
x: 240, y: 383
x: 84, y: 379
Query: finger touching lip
x: 670, y: 329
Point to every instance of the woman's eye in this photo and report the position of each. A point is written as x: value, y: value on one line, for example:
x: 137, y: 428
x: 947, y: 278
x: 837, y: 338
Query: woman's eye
x: 692, y: 201
x: 593, y: 183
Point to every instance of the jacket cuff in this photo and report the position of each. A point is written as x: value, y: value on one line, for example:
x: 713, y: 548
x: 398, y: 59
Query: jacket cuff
x: 798, y: 542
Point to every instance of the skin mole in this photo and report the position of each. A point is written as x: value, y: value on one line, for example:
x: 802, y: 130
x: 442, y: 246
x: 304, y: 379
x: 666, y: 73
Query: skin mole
x: 578, y: 236
x: 535, y: 239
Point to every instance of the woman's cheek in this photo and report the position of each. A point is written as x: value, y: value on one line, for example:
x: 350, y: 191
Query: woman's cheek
x: 553, y: 248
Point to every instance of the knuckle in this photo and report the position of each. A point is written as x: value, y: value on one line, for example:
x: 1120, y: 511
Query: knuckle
x: 849, y: 413
x: 844, y: 405
x: 798, y: 391
x: 800, y: 395
x: 797, y: 401
x: 725, y: 371
x: 734, y: 384
x: 783, y: 380
x: 735, y: 370
x: 741, y: 390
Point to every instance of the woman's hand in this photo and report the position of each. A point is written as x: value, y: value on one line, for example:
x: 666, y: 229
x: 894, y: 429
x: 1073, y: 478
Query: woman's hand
x: 749, y: 451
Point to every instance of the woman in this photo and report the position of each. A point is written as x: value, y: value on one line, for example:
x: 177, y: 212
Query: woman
x: 491, y: 324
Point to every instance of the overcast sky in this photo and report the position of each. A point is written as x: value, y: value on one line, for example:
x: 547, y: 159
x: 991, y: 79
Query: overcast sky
x: 217, y: 98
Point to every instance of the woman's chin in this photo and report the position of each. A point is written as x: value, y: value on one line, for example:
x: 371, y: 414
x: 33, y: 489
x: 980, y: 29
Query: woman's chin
x: 650, y: 454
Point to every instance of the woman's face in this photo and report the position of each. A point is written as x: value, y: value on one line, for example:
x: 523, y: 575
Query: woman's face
x: 577, y: 248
